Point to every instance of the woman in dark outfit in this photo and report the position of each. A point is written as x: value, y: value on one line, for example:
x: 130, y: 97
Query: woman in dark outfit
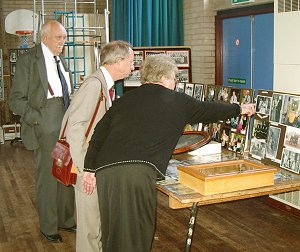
x: 132, y: 145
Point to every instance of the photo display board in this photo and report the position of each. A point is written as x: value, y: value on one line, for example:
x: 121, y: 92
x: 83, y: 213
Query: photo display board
x: 231, y: 133
x: 276, y: 129
x: 181, y: 55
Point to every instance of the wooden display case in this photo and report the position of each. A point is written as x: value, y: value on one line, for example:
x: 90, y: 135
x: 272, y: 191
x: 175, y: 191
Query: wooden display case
x: 223, y: 177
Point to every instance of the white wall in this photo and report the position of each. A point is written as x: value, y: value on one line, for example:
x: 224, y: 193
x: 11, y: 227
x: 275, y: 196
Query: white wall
x: 286, y: 51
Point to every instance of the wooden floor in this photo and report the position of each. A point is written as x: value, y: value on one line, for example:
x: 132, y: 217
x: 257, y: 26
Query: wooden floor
x: 246, y: 225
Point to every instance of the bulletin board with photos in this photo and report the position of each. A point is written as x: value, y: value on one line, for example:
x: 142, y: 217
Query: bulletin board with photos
x: 181, y: 55
x: 13, y: 57
x: 231, y: 133
x: 276, y: 129
x: 1, y: 77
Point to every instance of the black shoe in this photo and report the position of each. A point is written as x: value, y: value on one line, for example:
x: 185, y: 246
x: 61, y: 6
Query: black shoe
x: 52, y: 238
x: 71, y: 229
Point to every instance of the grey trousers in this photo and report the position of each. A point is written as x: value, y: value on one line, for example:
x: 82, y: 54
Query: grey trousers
x: 55, y: 201
x: 88, y: 234
x: 127, y: 200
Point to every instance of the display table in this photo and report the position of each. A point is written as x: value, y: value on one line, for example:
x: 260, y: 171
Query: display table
x: 181, y: 196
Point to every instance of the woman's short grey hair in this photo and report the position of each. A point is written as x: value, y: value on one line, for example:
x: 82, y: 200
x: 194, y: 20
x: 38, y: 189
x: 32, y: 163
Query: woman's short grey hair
x: 113, y: 51
x: 155, y: 67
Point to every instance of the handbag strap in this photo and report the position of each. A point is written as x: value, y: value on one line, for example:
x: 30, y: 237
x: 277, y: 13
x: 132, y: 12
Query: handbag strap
x: 101, y: 97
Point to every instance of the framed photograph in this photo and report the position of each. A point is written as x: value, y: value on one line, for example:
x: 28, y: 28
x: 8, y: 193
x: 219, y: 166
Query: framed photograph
x: 210, y: 92
x: 236, y: 143
x: 291, y: 111
x: 263, y: 105
x: 272, y: 142
x: 223, y: 94
x: 292, y: 137
x: 154, y: 52
x: 181, y: 57
x: 12, y: 68
x: 189, y: 89
x: 216, y: 132
x: 183, y: 75
x: 260, y: 129
x: 258, y: 148
x: 13, y: 56
x: 276, y: 107
x: 239, y: 124
x: 133, y: 80
x: 224, y: 138
x: 290, y: 160
x: 180, y: 87
x: 198, y: 91
x: 235, y: 95
x: 138, y: 58
x: 247, y: 96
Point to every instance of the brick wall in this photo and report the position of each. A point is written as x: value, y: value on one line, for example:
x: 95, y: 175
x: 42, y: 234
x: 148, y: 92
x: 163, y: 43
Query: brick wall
x: 199, y: 34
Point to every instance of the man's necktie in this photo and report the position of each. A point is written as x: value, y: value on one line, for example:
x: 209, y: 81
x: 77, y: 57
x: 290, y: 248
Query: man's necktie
x: 64, y: 84
x: 111, y: 93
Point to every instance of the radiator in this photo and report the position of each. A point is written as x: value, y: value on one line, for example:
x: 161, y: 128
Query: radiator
x: 289, y: 198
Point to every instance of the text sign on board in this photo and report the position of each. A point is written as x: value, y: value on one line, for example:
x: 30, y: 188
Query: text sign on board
x: 237, y: 81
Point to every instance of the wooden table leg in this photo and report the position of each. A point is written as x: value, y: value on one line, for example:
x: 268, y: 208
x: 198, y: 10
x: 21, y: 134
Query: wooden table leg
x: 192, y: 223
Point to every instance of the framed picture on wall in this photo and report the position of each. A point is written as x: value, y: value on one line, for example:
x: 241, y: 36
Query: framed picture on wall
x: 183, y: 75
x: 154, y: 52
x: 138, y: 58
x: 133, y: 80
x: 181, y: 57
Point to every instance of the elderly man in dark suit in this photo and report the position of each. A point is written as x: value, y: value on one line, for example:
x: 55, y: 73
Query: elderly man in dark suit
x: 40, y: 95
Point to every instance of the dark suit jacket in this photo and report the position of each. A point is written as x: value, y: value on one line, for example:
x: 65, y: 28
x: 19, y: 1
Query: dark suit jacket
x: 28, y: 93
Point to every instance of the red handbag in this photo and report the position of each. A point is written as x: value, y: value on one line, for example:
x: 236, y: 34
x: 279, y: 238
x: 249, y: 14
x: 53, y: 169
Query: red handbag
x: 62, y: 163
x: 62, y: 167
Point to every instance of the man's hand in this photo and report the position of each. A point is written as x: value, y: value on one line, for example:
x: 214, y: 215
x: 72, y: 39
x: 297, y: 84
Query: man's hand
x: 248, y: 109
x: 88, y: 182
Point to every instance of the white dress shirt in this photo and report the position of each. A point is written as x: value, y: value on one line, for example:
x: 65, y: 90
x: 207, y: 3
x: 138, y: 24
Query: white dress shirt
x: 52, y: 74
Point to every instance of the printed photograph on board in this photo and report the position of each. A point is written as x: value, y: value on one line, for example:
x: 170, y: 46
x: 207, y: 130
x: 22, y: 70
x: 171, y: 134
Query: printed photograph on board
x: 258, y: 148
x: 292, y: 137
x: 189, y: 89
x: 272, y: 142
x: 263, y: 105
x: 180, y: 87
x: 260, y: 129
x: 291, y: 111
x: 198, y: 91
x: 276, y: 107
x: 290, y: 160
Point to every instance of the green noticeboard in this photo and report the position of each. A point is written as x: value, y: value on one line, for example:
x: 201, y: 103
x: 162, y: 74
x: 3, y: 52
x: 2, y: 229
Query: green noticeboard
x: 237, y: 81
x: 241, y: 1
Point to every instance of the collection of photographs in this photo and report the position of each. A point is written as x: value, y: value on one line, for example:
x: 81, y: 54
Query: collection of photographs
x: 180, y: 55
x: 231, y: 133
x: 13, y: 56
x: 276, y: 129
